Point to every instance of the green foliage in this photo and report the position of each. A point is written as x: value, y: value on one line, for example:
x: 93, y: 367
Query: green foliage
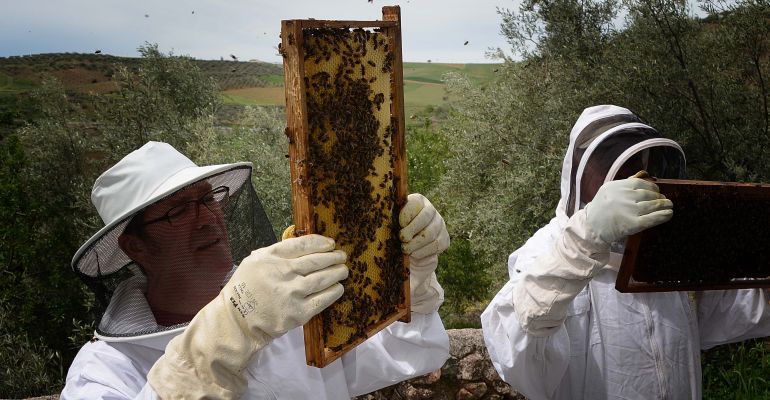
x: 427, y: 149
x: 28, y: 367
x: 48, y: 167
x: 228, y: 75
x: 465, y: 280
x: 737, y: 371
x: 491, y: 166
x: 163, y: 100
x: 703, y: 83
x: 504, y: 171
x: 15, y: 110
x: 38, y: 291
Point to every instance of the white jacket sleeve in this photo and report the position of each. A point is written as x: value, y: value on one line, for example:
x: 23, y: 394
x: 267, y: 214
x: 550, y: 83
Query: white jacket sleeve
x: 726, y: 316
x: 559, y: 271
x: 533, y: 365
x: 101, y: 372
x: 398, y: 352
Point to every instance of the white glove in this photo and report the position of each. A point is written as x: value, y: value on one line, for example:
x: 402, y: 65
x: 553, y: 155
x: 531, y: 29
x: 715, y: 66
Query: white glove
x: 423, y: 236
x: 544, y: 290
x: 627, y: 206
x: 274, y: 289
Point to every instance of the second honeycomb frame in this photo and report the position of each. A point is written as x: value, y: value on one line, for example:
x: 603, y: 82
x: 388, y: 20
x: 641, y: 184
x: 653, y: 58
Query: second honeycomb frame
x: 715, y: 240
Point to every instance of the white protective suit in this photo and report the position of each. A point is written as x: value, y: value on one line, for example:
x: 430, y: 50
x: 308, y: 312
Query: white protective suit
x: 612, y: 345
x: 119, y: 370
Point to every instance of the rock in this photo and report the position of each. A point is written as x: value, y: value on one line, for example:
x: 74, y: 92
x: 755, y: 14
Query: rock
x: 490, y: 374
x: 501, y: 387
x: 472, y: 367
x: 465, y: 341
x: 428, y: 379
x: 472, y: 391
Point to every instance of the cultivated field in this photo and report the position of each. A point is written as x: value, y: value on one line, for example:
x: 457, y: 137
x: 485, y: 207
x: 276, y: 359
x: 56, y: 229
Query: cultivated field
x: 242, y: 82
x: 423, y: 86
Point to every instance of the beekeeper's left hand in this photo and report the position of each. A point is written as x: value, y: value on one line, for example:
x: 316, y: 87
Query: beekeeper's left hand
x: 424, y: 236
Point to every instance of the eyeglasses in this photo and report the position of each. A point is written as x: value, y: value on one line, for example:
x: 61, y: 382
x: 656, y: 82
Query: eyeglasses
x: 189, y: 211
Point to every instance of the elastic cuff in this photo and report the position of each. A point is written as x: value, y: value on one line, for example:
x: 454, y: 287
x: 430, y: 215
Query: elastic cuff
x: 580, y: 244
x: 174, y: 377
x: 427, y: 297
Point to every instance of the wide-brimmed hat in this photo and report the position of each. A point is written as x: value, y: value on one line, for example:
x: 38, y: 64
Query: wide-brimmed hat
x: 142, y: 178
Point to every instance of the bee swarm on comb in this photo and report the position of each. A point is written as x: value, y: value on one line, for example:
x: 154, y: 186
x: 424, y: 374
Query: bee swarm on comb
x: 345, y: 128
x: 351, y: 172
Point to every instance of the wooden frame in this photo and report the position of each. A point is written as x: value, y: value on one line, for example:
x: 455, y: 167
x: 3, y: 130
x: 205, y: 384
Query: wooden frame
x: 718, y: 238
x: 296, y: 36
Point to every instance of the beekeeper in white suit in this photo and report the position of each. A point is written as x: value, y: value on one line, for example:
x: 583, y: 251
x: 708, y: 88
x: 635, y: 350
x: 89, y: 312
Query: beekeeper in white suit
x: 181, y: 322
x: 559, y: 330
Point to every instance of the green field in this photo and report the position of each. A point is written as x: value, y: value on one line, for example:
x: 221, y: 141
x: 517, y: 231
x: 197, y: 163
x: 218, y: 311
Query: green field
x: 9, y: 84
x: 433, y: 72
x: 242, y: 83
x: 423, y: 86
x: 271, y: 95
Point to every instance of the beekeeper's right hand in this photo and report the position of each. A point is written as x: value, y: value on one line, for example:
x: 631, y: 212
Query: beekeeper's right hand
x: 274, y: 289
x: 627, y: 206
x: 545, y: 289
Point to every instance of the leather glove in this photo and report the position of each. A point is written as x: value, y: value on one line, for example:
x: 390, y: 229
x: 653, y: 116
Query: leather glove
x: 424, y: 236
x: 627, y: 206
x: 274, y: 289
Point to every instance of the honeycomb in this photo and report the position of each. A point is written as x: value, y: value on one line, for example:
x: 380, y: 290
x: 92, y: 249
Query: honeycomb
x: 350, y: 181
x: 707, y: 244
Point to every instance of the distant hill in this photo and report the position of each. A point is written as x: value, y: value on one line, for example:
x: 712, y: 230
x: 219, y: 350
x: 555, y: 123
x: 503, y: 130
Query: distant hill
x: 93, y: 72
x: 423, y: 85
x: 242, y: 83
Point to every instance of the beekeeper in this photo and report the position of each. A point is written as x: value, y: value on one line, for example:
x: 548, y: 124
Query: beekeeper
x: 182, y: 322
x: 558, y: 329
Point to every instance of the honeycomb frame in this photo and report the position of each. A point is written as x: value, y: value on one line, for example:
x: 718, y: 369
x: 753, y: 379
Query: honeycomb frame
x: 711, y: 242
x: 345, y: 119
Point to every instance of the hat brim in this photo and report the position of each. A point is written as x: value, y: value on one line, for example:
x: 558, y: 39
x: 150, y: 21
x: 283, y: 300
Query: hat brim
x: 89, y: 261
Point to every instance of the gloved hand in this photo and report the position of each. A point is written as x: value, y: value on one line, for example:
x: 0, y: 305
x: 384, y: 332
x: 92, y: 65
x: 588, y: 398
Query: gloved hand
x: 274, y: 289
x: 544, y: 290
x: 423, y: 236
x: 627, y: 206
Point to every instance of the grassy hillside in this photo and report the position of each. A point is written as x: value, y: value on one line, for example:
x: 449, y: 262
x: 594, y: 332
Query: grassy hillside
x: 242, y: 83
x: 423, y: 86
x: 432, y: 72
x: 93, y: 72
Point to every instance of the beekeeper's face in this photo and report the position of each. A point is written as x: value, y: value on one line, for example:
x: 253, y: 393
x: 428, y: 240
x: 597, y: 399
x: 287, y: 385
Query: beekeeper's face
x: 182, y: 246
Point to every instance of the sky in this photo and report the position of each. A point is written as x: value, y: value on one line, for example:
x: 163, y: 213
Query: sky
x: 434, y: 30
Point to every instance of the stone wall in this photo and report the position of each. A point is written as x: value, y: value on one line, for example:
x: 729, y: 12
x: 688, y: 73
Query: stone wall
x: 467, y: 375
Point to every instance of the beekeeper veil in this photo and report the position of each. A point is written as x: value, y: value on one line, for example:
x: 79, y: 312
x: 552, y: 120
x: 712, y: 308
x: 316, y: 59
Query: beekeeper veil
x: 174, y: 233
x: 608, y: 143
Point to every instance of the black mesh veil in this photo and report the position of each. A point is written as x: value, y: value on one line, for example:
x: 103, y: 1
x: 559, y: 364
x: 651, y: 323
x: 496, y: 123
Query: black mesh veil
x: 626, y: 150
x: 156, y: 268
